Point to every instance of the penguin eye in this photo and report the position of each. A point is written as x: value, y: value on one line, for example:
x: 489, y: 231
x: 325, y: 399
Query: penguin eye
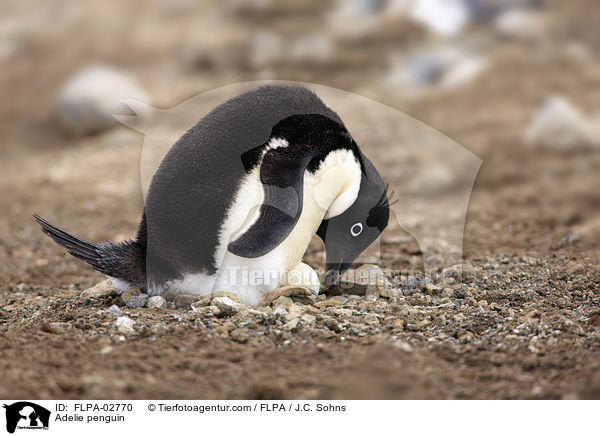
x: 356, y: 229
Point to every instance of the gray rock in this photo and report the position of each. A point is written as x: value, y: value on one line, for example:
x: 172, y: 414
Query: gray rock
x: 134, y: 298
x: 115, y: 310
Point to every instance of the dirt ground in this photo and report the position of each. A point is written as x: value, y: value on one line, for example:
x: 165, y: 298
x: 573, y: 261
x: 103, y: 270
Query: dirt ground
x: 520, y: 320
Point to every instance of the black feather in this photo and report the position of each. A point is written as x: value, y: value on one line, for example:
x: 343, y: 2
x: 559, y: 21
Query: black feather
x: 122, y: 260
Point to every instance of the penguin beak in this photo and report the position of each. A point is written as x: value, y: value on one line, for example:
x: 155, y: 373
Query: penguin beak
x: 335, y: 265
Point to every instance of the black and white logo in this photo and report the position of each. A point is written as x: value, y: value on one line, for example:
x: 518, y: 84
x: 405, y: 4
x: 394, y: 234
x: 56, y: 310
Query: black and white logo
x: 26, y: 415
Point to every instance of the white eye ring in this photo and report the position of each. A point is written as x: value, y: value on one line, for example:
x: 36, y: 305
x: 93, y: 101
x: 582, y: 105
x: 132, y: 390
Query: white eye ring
x: 356, y: 229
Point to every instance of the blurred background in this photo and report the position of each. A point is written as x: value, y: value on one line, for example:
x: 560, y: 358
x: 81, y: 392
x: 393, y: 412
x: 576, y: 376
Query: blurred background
x: 516, y: 82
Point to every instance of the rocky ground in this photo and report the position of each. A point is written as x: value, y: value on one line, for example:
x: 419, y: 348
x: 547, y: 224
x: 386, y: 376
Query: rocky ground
x: 494, y: 330
x: 518, y: 317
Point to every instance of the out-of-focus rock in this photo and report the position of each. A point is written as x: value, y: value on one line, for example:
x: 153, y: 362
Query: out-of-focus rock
x: 89, y: 99
x: 444, y: 17
x: 433, y: 179
x: 578, y: 53
x: 464, y: 71
x: 273, y: 9
x: 59, y: 327
x: 560, y: 125
x: 312, y: 50
x: 488, y: 9
x: 521, y: 24
x: 354, y: 20
x: 125, y: 325
x: 266, y: 50
x: 13, y: 40
x: 448, y: 66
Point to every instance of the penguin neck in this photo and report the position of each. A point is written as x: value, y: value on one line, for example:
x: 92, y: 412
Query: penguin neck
x: 328, y: 192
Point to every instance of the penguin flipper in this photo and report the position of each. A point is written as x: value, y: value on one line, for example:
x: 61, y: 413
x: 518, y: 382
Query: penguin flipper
x: 282, y: 175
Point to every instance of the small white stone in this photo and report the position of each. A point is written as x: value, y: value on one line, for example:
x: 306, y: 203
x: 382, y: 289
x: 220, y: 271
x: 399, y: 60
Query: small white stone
x: 280, y: 310
x: 445, y: 17
x: 157, y: 302
x: 125, y: 325
x: 115, y: 310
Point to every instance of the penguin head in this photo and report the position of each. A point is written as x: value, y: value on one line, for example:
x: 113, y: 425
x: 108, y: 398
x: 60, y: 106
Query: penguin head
x: 355, y: 218
x: 349, y: 233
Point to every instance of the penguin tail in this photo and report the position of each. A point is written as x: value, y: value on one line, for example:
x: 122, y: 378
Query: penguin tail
x: 120, y: 260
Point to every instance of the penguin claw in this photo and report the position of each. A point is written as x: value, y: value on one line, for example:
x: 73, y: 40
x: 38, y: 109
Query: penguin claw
x: 285, y: 291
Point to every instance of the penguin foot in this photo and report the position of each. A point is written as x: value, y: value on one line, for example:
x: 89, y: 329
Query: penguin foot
x: 285, y: 291
x: 303, y: 275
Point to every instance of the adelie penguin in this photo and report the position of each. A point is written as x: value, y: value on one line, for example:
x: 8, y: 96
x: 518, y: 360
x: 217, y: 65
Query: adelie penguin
x: 237, y: 199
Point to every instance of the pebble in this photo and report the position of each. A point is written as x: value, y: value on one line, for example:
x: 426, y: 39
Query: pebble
x: 240, y: 335
x: 225, y: 328
x: 134, y: 298
x: 201, y: 303
x: 280, y: 310
x: 231, y: 295
x: 59, y: 327
x: 157, y: 302
x: 432, y: 289
x: 115, y: 310
x: 125, y: 325
x: 327, y: 303
x: 372, y: 318
x: 183, y: 301
x: 308, y: 319
x: 283, y: 300
x: 375, y: 279
x: 292, y: 324
x: 102, y: 289
x: 226, y: 306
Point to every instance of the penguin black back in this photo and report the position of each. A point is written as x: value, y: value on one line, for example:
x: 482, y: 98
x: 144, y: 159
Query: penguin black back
x: 196, y: 181
x: 192, y: 190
